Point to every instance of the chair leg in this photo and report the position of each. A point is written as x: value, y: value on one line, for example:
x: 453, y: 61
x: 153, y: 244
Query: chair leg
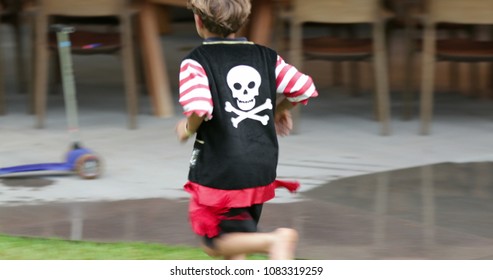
x: 484, y: 86
x: 21, y: 69
x: 2, y: 87
x: 280, y: 28
x: 40, y: 86
x: 382, y: 80
x: 409, y: 49
x: 139, y: 62
x: 475, y: 68
x: 40, y: 73
x: 427, y: 79
x: 454, y: 76
x: 31, y: 66
x: 338, y: 66
x: 474, y: 74
x: 490, y: 88
x: 2, y: 98
x: 129, y: 73
x: 354, y: 70
x: 454, y: 67
x: 354, y: 78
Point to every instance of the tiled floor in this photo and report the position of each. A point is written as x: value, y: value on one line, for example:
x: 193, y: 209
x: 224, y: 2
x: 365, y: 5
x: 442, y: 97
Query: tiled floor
x: 363, y: 196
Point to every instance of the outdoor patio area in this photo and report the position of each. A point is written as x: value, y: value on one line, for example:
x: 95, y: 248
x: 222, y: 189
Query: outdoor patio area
x: 363, y: 195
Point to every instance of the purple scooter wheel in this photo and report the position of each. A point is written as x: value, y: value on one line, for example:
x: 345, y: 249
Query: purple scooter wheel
x: 84, y: 162
x: 88, y: 166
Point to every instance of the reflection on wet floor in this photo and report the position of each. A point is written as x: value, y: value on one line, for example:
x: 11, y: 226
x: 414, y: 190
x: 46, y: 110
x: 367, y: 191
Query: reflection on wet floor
x: 29, y: 182
x: 442, y: 211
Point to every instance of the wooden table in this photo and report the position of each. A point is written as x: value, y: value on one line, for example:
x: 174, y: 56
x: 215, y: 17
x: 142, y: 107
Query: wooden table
x: 155, y: 66
x: 154, y: 62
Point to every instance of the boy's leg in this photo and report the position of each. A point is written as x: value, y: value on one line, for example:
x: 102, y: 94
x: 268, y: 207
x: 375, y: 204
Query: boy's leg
x: 209, y: 249
x: 279, y: 244
x: 236, y: 257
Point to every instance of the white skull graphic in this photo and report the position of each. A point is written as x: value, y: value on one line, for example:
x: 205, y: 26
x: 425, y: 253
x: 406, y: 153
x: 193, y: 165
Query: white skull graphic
x: 244, y: 82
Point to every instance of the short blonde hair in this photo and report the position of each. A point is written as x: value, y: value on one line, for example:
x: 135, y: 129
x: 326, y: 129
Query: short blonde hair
x: 222, y: 17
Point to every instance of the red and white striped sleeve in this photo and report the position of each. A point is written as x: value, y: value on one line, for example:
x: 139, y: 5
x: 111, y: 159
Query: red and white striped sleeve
x: 195, y: 93
x: 296, y: 86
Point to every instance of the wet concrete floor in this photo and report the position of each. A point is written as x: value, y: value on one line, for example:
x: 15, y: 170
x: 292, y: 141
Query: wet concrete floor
x: 442, y: 211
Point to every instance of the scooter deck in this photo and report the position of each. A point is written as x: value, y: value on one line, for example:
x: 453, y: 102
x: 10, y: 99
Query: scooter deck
x: 62, y: 166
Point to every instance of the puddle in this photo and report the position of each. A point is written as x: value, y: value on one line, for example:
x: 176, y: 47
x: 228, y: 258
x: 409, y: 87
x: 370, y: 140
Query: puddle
x: 442, y: 211
x: 26, y: 182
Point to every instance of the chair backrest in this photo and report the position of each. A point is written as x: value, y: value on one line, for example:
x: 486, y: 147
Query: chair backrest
x: 81, y: 8
x: 461, y: 11
x: 335, y: 11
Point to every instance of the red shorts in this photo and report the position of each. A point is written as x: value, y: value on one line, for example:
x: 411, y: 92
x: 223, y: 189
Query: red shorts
x: 210, y: 207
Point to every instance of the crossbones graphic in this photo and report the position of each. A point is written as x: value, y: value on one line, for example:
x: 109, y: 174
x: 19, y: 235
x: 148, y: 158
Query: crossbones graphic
x: 252, y: 114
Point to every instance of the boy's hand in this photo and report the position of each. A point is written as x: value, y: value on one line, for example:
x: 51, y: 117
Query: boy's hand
x: 182, y: 131
x: 283, y: 123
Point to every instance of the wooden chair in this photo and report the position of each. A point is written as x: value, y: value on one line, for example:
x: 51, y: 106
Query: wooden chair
x: 12, y: 15
x: 474, y: 12
x: 348, y: 49
x: 2, y: 88
x: 406, y: 21
x: 409, y: 19
x: 109, y: 42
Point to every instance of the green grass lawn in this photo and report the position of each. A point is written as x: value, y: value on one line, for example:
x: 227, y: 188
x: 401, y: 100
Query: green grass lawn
x: 27, y: 248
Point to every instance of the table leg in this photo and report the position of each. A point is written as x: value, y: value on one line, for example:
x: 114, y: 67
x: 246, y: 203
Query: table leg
x: 154, y: 62
x: 262, y: 21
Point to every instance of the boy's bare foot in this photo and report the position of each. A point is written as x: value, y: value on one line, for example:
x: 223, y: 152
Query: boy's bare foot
x: 284, y: 244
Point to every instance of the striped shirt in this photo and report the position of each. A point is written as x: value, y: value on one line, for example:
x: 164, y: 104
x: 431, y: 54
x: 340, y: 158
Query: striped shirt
x: 195, y: 94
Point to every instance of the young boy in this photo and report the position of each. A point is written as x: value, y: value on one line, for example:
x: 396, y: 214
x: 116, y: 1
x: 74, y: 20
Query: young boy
x: 228, y: 90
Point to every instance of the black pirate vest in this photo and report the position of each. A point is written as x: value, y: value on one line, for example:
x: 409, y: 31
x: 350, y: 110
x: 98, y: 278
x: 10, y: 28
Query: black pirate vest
x: 238, y: 147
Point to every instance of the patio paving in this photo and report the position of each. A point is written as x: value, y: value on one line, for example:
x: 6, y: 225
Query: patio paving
x: 363, y: 196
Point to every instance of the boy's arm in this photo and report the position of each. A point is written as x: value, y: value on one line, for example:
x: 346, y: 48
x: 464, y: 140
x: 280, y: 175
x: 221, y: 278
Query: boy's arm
x: 283, y: 106
x: 283, y: 119
x: 187, y: 127
x: 195, y: 98
x: 295, y: 87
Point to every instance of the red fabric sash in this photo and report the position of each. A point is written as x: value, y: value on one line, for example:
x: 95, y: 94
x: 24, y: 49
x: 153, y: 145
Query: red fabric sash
x: 208, y: 204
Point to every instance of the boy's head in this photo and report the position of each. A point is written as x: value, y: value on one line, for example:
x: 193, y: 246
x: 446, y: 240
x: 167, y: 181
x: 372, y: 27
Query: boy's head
x: 221, y: 17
